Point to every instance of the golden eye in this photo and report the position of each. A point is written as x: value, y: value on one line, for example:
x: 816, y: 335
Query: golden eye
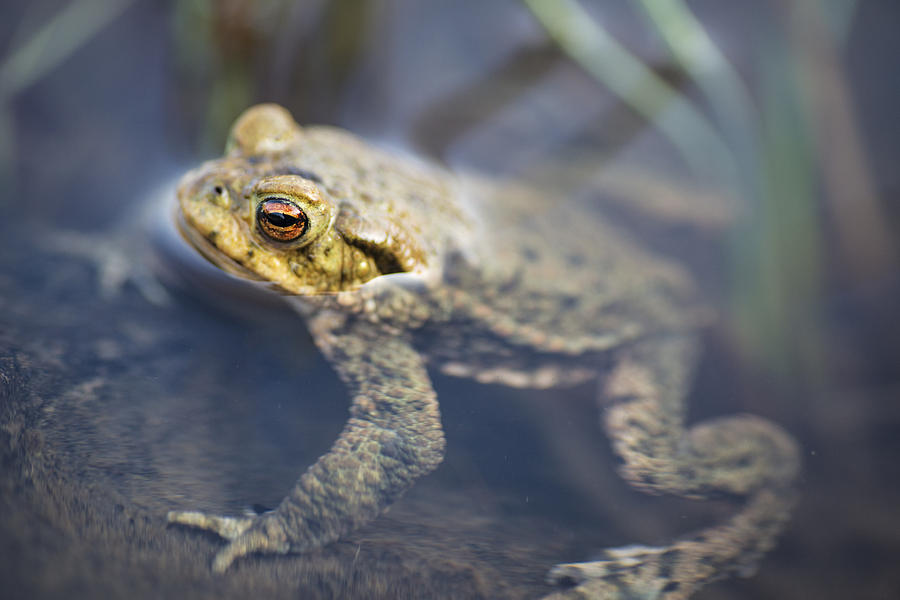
x: 290, y: 210
x: 280, y: 219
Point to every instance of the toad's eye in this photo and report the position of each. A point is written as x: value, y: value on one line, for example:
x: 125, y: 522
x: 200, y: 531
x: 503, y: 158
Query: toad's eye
x: 280, y: 219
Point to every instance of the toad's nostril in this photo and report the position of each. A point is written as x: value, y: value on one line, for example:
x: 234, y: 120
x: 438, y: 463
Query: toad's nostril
x: 220, y: 196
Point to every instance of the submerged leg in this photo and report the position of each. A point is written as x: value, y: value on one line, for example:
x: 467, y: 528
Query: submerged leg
x: 392, y: 437
x: 740, y: 455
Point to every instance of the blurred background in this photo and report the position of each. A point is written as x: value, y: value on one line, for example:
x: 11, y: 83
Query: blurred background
x: 755, y: 141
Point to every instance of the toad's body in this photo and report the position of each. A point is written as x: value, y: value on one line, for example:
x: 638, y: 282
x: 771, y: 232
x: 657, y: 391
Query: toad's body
x: 396, y: 265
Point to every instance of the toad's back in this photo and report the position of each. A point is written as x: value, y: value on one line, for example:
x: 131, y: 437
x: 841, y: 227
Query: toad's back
x: 554, y: 276
x: 529, y: 258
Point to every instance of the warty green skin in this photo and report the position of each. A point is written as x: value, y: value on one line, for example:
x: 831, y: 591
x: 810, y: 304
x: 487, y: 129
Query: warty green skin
x: 407, y: 266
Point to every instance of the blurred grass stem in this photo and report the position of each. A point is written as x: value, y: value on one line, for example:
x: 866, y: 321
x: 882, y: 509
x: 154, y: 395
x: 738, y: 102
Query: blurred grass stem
x: 587, y: 43
x: 858, y: 216
x: 45, y: 50
x: 55, y: 41
x: 696, y: 53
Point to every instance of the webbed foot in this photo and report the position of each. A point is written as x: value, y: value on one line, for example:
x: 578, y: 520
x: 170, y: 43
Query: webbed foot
x: 118, y: 261
x: 627, y: 572
x: 246, y: 535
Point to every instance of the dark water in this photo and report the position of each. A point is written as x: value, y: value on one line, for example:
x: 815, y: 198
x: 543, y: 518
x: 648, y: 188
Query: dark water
x: 114, y: 410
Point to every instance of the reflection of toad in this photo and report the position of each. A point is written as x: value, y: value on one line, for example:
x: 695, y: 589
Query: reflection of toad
x: 397, y: 265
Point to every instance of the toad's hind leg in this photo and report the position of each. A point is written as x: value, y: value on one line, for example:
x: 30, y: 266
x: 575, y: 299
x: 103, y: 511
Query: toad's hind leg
x: 740, y: 455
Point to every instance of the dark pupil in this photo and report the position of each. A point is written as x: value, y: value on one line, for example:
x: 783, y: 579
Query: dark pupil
x: 280, y: 219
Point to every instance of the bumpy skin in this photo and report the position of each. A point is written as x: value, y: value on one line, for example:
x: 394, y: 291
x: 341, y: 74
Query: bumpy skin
x: 403, y: 265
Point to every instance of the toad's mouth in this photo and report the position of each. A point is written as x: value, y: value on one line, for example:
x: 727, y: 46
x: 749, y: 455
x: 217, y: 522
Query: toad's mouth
x: 209, y: 251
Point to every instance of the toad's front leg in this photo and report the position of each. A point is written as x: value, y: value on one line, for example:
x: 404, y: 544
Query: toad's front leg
x: 393, y: 436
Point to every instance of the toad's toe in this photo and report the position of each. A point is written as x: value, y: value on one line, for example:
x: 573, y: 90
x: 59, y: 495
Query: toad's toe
x: 227, y: 527
x: 627, y: 572
x: 247, y: 535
